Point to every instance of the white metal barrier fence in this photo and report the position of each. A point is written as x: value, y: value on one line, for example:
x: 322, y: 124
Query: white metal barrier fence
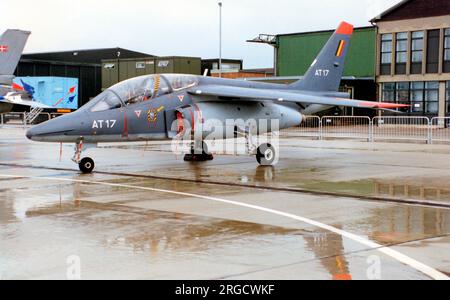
x: 346, y: 127
x: 400, y: 129
x: 20, y: 118
x: 310, y: 127
x: 13, y: 118
x: 440, y: 130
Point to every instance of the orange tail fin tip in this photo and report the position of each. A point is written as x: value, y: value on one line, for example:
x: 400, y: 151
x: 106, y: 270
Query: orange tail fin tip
x: 345, y: 28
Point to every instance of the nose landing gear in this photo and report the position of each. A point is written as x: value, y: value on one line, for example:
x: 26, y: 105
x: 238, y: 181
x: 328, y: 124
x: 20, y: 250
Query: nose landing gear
x: 85, y: 164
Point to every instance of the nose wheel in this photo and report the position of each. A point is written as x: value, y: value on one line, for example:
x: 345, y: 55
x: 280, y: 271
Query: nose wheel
x: 86, y: 165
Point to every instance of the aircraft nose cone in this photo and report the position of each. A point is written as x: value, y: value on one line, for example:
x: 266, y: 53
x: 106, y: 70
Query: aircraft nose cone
x: 29, y: 134
x: 55, y: 130
x: 37, y: 130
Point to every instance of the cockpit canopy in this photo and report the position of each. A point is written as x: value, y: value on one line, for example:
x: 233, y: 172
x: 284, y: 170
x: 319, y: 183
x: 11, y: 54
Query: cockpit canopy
x: 140, y: 89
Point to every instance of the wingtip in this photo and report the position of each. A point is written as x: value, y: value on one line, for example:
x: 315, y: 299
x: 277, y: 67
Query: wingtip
x: 345, y: 28
x: 384, y: 105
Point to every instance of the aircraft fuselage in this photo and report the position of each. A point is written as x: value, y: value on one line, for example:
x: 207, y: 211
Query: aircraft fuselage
x: 156, y: 118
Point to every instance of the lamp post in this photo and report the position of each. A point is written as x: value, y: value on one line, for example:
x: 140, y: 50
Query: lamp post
x: 220, y: 39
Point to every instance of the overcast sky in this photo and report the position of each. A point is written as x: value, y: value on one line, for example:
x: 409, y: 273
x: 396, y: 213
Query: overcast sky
x: 178, y: 27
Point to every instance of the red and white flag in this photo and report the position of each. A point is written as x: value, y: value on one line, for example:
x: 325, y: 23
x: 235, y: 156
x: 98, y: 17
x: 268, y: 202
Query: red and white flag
x: 3, y: 48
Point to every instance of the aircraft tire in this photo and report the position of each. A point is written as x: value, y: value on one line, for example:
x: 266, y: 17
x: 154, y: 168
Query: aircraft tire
x: 205, y: 149
x: 266, y: 155
x: 86, y: 165
x: 198, y: 157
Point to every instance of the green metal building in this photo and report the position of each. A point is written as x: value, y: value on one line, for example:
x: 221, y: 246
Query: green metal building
x: 117, y: 70
x: 295, y: 52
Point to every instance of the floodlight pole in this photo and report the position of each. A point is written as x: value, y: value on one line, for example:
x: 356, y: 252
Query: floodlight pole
x: 220, y: 39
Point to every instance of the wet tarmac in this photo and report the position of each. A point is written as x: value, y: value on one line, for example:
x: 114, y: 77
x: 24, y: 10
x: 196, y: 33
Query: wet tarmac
x: 147, y: 214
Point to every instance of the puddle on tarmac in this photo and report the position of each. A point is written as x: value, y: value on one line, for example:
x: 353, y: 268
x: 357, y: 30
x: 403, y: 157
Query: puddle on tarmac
x: 379, y: 188
x: 317, y: 179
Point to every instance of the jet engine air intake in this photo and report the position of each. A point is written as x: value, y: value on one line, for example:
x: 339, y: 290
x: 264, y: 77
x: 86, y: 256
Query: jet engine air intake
x: 213, y: 119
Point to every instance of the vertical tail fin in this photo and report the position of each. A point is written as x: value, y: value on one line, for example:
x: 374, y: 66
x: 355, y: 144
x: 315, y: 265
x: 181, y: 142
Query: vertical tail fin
x: 12, y: 43
x: 326, y: 71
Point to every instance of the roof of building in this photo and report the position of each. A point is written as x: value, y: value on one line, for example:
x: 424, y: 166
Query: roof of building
x: 223, y: 59
x: 259, y: 70
x: 93, y: 56
x: 388, y: 11
x: 151, y: 58
x: 57, y: 63
x: 411, y: 9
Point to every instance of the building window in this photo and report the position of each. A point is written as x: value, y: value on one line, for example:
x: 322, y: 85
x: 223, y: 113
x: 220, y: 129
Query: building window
x: 389, y: 92
x: 140, y: 65
x: 402, y: 93
x: 416, y: 52
x: 417, y: 97
x: 386, y: 54
x: 396, y: 92
x: 432, y: 97
x: 433, y: 51
x: 401, y: 52
x: 423, y: 97
x: 447, y: 99
x: 109, y: 66
x: 163, y: 63
x: 447, y: 51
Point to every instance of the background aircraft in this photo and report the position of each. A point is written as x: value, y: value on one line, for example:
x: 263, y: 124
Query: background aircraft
x: 12, y: 43
x: 157, y: 107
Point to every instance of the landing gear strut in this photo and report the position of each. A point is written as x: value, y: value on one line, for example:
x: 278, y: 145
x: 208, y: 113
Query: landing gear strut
x: 197, y: 154
x: 266, y: 154
x: 85, y: 164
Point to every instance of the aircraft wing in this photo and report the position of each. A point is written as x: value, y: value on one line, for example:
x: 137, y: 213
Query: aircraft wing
x: 219, y: 92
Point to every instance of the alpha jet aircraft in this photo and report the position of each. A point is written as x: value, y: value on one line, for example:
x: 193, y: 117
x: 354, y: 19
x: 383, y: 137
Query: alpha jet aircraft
x: 145, y: 108
x: 12, y: 43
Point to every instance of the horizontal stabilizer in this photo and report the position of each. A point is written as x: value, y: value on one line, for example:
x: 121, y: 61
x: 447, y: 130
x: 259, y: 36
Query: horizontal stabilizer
x: 216, y: 92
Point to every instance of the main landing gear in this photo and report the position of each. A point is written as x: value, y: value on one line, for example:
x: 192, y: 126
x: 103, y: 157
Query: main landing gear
x: 85, y: 164
x: 266, y: 155
x: 199, y: 153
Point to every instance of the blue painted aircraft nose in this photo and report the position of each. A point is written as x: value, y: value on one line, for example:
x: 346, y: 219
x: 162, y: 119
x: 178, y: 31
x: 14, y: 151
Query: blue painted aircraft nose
x: 37, y: 130
x: 29, y: 134
x: 55, y: 130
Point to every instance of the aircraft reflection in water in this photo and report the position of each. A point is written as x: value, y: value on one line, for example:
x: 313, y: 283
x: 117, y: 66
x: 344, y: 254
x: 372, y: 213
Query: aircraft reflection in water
x: 158, y: 107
